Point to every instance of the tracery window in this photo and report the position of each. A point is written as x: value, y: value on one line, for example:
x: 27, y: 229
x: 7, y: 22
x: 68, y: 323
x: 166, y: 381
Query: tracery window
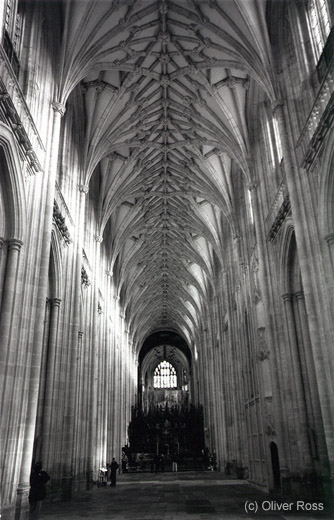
x: 273, y: 149
x: 274, y: 140
x: 319, y: 24
x: 277, y: 139
x: 165, y: 376
x: 13, y: 32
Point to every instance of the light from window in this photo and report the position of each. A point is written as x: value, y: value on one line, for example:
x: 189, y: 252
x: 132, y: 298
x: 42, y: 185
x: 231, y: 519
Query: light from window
x: 277, y: 139
x: 165, y: 376
x: 250, y: 207
x: 8, y: 15
x: 270, y: 143
x: 319, y: 24
x: 274, y: 140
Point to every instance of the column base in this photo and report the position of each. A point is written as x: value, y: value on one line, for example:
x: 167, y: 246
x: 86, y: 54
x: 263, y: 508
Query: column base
x: 22, y: 502
x: 89, y: 480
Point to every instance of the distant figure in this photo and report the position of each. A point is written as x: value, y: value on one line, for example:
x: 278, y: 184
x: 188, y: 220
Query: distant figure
x: 113, y: 469
x: 206, y: 458
x: 174, y: 463
x: 162, y: 462
x: 156, y: 463
x: 125, y: 461
x: 103, y: 476
x: 38, y: 479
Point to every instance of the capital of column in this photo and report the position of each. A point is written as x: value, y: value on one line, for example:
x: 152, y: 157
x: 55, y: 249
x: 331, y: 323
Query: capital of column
x: 13, y: 244
x: 55, y: 302
x: 276, y: 105
x: 330, y: 239
x: 83, y: 188
x: 299, y: 295
x: 98, y: 238
x: 287, y: 297
x: 58, y: 107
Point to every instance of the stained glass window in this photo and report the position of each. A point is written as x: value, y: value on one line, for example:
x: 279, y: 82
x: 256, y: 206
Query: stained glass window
x: 165, y: 376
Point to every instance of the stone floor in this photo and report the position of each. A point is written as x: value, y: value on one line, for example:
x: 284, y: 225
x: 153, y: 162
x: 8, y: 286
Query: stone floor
x: 178, y: 496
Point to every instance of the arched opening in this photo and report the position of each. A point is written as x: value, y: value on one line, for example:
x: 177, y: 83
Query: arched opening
x: 44, y: 441
x: 12, y: 227
x: 12, y: 194
x: 165, y: 377
x: 326, y: 210
x: 304, y: 432
x: 275, y: 466
x: 165, y: 422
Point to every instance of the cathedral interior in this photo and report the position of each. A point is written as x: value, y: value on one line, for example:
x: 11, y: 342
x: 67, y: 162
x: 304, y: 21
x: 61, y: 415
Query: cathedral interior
x: 166, y: 239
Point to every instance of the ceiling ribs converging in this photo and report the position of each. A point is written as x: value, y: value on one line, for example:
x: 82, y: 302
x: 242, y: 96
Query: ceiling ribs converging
x: 164, y: 88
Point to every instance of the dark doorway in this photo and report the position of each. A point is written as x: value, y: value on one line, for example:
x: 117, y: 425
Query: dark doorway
x: 275, y: 466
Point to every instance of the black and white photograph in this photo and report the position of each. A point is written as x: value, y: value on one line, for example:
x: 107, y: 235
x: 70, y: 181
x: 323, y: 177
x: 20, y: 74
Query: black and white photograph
x: 166, y: 259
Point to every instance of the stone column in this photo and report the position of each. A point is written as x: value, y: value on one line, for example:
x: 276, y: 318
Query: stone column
x: 116, y: 381
x: 127, y: 396
x: 300, y: 414
x: 78, y: 466
x: 109, y: 364
x: 48, y: 433
x: 8, y: 358
x: 219, y: 403
x: 34, y: 375
x: 264, y: 277
x: 301, y: 336
x: 312, y: 386
x: 121, y: 385
x: 8, y: 298
x: 222, y: 454
x: 104, y: 392
x: 112, y: 384
x: 79, y: 439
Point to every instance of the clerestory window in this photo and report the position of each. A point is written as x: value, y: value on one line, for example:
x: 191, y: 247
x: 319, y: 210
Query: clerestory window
x: 13, y: 32
x: 165, y: 376
x: 319, y: 25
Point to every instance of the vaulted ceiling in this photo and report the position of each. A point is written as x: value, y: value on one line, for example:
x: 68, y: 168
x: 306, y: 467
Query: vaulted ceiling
x: 165, y: 88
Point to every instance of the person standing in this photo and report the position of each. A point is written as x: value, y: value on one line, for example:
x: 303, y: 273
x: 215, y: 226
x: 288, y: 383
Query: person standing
x: 38, y: 480
x: 113, y: 469
x: 162, y: 462
x: 174, y: 462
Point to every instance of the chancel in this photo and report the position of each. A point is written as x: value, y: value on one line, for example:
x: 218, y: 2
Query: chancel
x: 166, y: 243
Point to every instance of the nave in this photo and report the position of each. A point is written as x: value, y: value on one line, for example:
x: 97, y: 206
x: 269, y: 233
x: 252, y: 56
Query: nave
x: 166, y: 247
x: 185, y: 495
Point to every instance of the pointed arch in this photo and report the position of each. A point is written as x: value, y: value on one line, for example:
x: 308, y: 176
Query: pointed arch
x: 326, y: 199
x: 287, y: 256
x: 12, y: 193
